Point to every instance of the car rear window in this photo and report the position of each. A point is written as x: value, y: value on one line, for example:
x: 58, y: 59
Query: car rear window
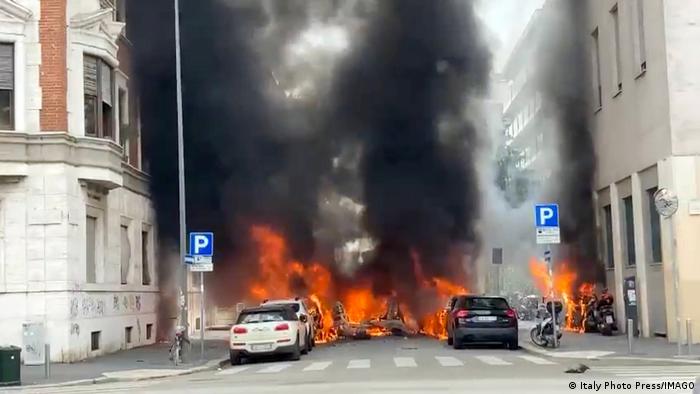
x: 264, y: 316
x: 293, y: 305
x: 483, y: 303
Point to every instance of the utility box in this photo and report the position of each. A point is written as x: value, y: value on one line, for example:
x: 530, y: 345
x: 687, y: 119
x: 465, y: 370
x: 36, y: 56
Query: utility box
x: 10, y: 366
x: 34, y: 338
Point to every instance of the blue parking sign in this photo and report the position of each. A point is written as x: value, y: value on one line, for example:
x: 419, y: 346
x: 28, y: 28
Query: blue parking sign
x: 546, y: 215
x: 202, y: 244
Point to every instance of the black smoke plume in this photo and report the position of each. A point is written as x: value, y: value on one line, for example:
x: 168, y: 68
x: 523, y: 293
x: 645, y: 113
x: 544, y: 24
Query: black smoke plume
x: 402, y: 92
x: 564, y: 74
x: 251, y: 156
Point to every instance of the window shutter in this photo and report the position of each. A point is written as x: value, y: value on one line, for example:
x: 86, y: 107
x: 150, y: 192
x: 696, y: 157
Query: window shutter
x: 106, y: 83
x: 90, y: 75
x: 7, y: 66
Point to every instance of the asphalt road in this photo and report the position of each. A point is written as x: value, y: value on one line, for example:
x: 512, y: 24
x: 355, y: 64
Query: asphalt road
x: 414, y: 365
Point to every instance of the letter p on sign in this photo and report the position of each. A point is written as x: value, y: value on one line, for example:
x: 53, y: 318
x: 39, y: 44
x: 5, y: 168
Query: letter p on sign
x: 546, y: 215
x: 201, y: 244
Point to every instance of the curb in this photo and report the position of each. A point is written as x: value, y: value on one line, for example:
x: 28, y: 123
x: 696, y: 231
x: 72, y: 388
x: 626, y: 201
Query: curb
x: 535, y: 350
x: 210, y: 365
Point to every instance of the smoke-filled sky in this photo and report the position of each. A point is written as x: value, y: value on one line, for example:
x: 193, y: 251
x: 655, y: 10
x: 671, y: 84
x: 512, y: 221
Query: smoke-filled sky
x: 290, y: 103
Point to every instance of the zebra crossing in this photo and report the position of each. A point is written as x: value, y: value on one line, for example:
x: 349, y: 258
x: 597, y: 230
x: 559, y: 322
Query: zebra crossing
x: 653, y: 373
x: 397, y: 362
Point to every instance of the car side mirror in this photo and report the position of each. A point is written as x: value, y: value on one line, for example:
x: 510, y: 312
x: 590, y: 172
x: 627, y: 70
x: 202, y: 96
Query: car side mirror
x: 303, y: 318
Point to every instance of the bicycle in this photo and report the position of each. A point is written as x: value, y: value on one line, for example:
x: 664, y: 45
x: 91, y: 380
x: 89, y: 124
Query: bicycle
x: 176, y: 347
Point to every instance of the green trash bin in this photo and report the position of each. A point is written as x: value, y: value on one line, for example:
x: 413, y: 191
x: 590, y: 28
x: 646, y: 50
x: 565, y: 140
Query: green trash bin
x: 9, y: 366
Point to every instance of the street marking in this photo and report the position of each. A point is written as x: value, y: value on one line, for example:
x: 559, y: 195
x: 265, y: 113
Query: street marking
x: 492, y: 360
x: 449, y: 361
x: 232, y: 371
x: 405, y: 362
x: 537, y: 360
x: 359, y: 364
x: 275, y: 368
x: 318, y: 366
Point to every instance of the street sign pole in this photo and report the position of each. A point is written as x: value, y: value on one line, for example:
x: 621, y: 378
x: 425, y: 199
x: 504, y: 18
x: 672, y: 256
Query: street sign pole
x: 552, y: 295
x: 548, y: 232
x: 201, y: 314
x: 666, y: 203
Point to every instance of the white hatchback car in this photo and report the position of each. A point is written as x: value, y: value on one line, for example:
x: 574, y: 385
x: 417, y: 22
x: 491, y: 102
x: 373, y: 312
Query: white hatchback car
x: 267, y: 330
x: 303, y: 312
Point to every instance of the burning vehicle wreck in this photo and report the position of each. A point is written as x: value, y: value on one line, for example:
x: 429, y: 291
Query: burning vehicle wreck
x: 390, y: 323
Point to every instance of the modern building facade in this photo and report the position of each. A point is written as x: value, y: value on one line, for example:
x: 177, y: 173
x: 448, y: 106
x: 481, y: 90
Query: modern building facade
x: 526, y: 128
x: 647, y: 136
x: 77, y: 234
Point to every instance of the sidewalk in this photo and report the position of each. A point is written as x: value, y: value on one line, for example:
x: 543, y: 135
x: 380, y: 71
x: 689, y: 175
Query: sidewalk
x: 594, y: 345
x: 134, y: 364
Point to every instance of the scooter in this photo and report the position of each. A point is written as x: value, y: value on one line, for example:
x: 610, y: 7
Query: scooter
x: 606, y: 320
x: 542, y: 334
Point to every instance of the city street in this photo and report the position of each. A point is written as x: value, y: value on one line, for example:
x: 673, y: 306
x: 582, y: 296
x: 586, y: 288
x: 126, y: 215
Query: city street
x: 395, y: 364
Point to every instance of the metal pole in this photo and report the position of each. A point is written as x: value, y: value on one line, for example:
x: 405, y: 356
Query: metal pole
x: 689, y: 335
x: 47, y: 360
x: 181, y: 272
x: 675, y: 286
x: 630, y: 335
x: 201, y: 315
x: 548, y: 257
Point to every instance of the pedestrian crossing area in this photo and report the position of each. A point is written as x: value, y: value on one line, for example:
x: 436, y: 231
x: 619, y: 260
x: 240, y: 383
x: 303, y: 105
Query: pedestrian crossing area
x: 652, y: 373
x: 396, y: 362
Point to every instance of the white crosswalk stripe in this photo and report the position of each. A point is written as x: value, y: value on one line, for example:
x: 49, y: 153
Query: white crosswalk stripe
x: 274, y: 368
x: 492, y: 360
x: 537, y: 360
x: 651, y: 374
x: 318, y: 366
x: 232, y: 371
x: 359, y: 364
x: 405, y: 362
x: 449, y: 361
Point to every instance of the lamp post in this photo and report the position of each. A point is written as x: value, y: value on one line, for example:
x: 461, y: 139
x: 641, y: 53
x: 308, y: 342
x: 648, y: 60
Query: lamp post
x: 181, y: 272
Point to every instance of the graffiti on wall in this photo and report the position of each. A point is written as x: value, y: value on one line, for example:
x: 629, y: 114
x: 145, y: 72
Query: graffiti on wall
x: 91, y: 306
x: 75, y: 329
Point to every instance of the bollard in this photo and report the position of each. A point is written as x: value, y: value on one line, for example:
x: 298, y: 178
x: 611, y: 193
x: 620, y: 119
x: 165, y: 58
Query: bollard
x: 689, y: 335
x: 630, y: 335
x: 47, y: 361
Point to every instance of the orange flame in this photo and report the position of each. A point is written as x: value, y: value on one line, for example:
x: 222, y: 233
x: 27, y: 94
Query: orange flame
x: 563, y: 286
x: 277, y: 274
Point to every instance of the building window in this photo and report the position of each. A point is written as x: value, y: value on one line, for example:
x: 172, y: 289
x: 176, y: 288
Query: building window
x: 125, y: 253
x: 607, y: 217
x: 90, y: 248
x: 95, y: 340
x: 655, y: 227
x: 127, y: 334
x: 617, y: 64
x: 597, y: 88
x: 629, y: 230
x: 120, y: 10
x: 149, y: 331
x: 7, y: 86
x: 99, y: 96
x: 145, y: 263
x: 639, y: 39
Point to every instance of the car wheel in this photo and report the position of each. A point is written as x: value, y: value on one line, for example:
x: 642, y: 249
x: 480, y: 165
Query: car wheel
x: 296, y: 352
x: 307, y: 346
x: 235, y: 358
x: 457, y: 343
x: 450, y: 341
x: 513, y: 344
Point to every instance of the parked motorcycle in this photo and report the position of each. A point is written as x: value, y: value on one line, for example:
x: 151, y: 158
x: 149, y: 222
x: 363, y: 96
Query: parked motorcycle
x: 542, y: 334
x: 606, y: 320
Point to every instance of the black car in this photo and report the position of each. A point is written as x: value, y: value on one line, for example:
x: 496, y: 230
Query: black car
x: 481, y: 319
